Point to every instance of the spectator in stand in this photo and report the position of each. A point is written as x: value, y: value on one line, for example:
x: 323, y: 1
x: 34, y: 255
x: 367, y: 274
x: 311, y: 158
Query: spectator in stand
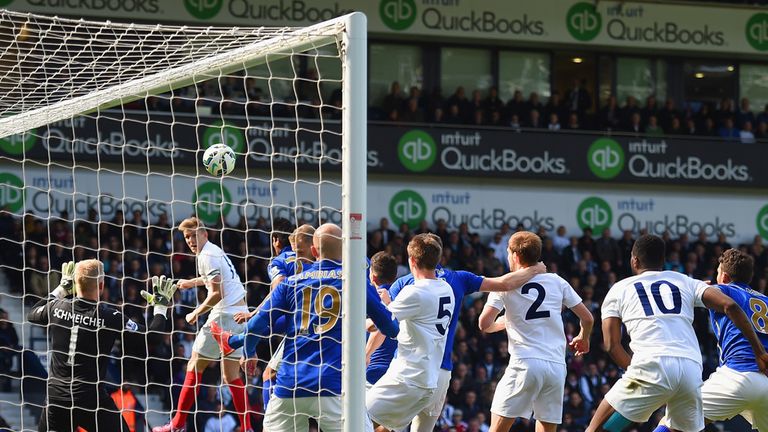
x: 667, y: 113
x: 744, y: 114
x: 533, y: 103
x: 516, y: 105
x: 435, y: 100
x: 690, y: 127
x: 628, y: 111
x: 560, y: 240
x: 412, y: 112
x: 393, y: 101
x: 514, y: 122
x: 728, y: 130
x: 476, y: 104
x: 635, y: 127
x: 492, y: 102
x: 573, y: 122
x: 610, y: 115
x: 762, y: 131
x: 651, y: 108
x: 745, y: 134
x: 675, y: 128
x: 725, y: 111
x: 478, y: 118
x: 459, y: 98
x: 652, y: 129
x: 579, y: 99
x: 762, y: 116
x: 555, y: 106
x: 454, y: 114
x: 534, y: 119
x: 709, y: 128
x: 438, y: 115
x: 554, y: 122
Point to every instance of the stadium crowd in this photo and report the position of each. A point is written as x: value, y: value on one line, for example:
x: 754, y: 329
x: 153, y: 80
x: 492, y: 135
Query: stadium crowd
x: 134, y: 250
x: 571, y: 110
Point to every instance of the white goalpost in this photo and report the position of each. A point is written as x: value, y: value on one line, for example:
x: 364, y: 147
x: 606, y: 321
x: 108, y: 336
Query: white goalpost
x: 102, y: 128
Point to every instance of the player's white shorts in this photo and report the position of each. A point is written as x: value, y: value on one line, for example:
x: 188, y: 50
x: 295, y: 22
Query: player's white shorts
x: 531, y: 386
x: 728, y: 393
x: 277, y: 357
x: 289, y: 415
x: 650, y: 384
x: 205, y: 345
x: 435, y: 407
x: 394, y: 404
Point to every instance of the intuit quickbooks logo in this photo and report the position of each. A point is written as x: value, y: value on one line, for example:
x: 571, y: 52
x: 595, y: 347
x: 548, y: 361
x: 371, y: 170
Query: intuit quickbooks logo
x: 212, y: 202
x: 594, y: 213
x: 408, y: 207
x: 397, y: 14
x: 762, y: 222
x: 757, y: 31
x: 11, y: 192
x: 19, y: 143
x: 203, y: 9
x: 222, y: 133
x: 583, y: 21
x: 605, y: 158
x: 417, y: 150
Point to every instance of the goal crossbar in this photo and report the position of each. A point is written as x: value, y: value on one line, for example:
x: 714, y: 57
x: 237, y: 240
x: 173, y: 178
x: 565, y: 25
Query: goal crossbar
x: 291, y: 40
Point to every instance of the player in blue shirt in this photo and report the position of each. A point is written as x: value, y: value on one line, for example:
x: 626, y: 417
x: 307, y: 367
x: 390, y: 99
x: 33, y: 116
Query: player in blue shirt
x: 739, y: 386
x: 463, y: 284
x: 309, y: 380
x: 283, y: 264
x: 383, y: 271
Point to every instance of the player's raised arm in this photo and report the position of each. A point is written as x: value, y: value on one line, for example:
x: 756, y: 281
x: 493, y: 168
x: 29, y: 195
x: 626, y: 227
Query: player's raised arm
x: 39, y: 312
x: 715, y: 300
x: 512, y: 280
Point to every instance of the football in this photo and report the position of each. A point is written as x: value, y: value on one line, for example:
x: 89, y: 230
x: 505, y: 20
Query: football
x: 219, y: 159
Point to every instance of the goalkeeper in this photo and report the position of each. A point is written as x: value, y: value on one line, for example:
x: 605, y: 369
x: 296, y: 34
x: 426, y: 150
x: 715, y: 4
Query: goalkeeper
x: 82, y: 332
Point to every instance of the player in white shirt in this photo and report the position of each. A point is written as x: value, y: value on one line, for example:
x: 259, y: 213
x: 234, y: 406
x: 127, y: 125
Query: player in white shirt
x: 424, y: 310
x: 225, y: 298
x: 665, y: 368
x: 534, y: 381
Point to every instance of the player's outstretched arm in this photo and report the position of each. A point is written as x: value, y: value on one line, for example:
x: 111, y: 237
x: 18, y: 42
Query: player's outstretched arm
x: 190, y: 283
x: 612, y: 340
x: 715, y: 300
x: 580, y: 343
x: 512, y: 280
x: 379, y: 313
x: 375, y: 340
x: 489, y: 323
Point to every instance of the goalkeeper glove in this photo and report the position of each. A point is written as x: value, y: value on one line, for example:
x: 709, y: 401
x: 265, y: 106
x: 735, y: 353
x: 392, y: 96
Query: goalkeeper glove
x: 67, y: 285
x: 163, y: 289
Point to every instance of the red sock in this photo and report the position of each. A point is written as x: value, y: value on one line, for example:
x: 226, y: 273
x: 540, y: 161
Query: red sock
x: 187, y: 398
x: 240, y: 399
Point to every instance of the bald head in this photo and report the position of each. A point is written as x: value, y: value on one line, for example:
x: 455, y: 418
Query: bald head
x: 89, y: 275
x: 327, y: 242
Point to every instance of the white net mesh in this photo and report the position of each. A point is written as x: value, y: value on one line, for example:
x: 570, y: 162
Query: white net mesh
x: 102, y: 131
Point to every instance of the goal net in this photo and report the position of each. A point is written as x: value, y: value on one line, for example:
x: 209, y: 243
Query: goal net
x: 102, y: 130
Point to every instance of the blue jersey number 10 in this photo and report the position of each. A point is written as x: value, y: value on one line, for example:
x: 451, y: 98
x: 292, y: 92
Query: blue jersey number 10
x: 677, y: 302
